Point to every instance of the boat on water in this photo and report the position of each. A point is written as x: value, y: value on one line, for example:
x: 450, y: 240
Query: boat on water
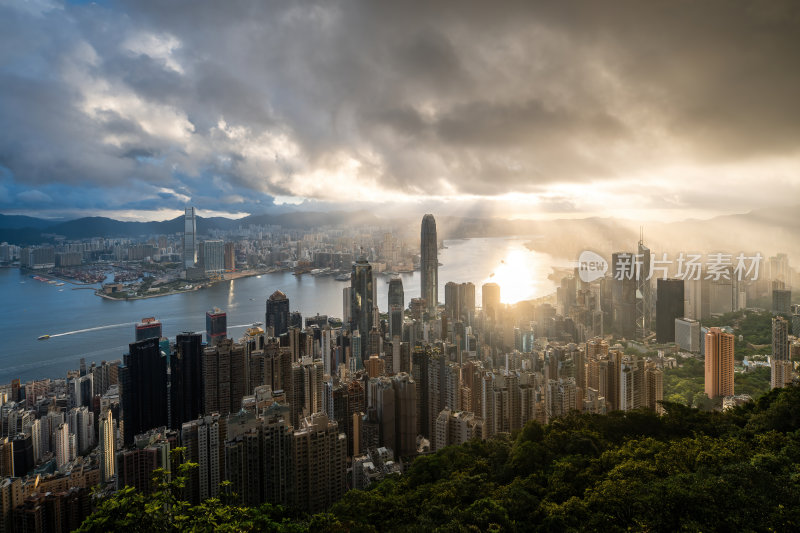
x: 43, y: 337
x: 342, y: 277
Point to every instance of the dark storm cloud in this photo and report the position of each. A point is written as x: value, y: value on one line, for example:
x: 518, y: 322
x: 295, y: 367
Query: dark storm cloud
x: 241, y: 101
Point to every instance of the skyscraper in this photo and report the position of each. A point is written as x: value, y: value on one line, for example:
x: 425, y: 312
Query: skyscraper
x: 780, y: 366
x: 405, y: 403
x: 143, y: 376
x: 148, y: 328
x: 204, y: 440
x: 216, y: 326
x: 466, y: 297
x: 230, y: 256
x: 320, y: 463
x: 644, y: 297
x: 654, y: 389
x: 490, y: 300
x: 669, y: 306
x: 189, y: 238
x: 687, y: 334
x: 186, y: 379
x: 305, y: 393
x: 396, y: 305
x: 224, y: 377
x: 361, y: 293
x: 107, y: 451
x: 277, y: 316
x: 719, y: 363
x: 62, y: 445
x: 623, y: 293
x: 780, y: 338
x: 213, y: 256
x: 781, y: 299
x: 429, y: 264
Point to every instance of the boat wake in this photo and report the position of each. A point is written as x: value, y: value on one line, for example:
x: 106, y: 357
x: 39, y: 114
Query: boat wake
x: 98, y: 328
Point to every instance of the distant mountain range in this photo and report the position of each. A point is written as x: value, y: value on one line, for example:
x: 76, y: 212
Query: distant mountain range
x: 23, y: 230
x: 765, y: 230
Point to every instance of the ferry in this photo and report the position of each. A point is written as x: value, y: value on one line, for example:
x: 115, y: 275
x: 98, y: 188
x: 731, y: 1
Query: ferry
x: 342, y: 277
x: 44, y: 337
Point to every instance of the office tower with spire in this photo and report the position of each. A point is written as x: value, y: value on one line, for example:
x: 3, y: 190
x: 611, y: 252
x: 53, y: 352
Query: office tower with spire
x: 277, y: 315
x: 644, y: 291
x: 362, y: 301
x: 429, y: 264
x: 189, y: 238
x: 719, y: 363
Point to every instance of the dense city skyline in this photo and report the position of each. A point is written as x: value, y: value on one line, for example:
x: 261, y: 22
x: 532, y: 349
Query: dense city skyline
x: 137, y: 109
x: 303, y: 410
x: 351, y: 265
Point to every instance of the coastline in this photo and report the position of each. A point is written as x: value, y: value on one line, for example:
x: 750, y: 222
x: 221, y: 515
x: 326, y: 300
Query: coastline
x: 71, y: 281
x: 231, y: 276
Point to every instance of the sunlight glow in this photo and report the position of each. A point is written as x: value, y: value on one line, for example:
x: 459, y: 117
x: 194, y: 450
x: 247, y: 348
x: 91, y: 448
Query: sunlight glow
x: 516, y: 273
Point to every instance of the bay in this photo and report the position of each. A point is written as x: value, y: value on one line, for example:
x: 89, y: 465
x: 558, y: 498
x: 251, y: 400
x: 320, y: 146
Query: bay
x: 84, y: 325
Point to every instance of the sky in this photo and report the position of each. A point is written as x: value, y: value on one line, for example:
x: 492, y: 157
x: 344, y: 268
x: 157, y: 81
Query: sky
x: 658, y: 110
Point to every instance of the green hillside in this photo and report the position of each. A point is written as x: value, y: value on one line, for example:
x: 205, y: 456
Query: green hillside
x: 689, y: 470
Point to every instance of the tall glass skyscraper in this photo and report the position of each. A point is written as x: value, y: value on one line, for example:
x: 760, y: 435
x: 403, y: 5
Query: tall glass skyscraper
x: 396, y: 305
x: 186, y: 377
x: 277, y: 315
x: 143, y: 376
x: 669, y: 306
x: 644, y: 292
x: 213, y: 256
x: 429, y: 264
x: 189, y: 238
x: 362, y: 299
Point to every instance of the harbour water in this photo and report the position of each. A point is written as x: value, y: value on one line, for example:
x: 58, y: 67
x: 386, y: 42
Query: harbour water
x: 84, y: 325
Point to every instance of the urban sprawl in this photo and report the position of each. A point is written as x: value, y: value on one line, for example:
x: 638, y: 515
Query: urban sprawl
x: 299, y: 410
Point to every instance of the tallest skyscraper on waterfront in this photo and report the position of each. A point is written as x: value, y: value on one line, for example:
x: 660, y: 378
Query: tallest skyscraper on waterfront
x: 189, y: 238
x: 429, y: 263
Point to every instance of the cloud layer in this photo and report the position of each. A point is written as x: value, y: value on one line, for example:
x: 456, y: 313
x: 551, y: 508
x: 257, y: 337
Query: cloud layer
x: 620, y: 107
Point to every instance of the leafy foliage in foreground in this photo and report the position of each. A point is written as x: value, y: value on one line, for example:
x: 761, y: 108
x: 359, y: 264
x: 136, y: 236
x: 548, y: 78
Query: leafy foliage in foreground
x: 686, y: 471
